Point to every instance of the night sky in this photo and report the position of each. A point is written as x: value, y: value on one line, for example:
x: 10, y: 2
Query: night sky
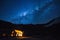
x: 29, y: 11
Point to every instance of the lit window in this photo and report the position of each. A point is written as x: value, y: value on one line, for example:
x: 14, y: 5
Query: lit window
x: 19, y: 33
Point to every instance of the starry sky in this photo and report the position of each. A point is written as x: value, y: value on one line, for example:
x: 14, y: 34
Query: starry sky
x: 29, y: 11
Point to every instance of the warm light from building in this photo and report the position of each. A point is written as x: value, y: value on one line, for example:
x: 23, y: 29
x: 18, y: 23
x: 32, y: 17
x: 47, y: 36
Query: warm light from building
x: 12, y: 35
x: 19, y: 33
x: 3, y: 34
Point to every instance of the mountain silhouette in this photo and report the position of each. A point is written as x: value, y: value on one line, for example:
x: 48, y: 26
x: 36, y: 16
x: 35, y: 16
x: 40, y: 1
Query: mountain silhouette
x: 38, y: 30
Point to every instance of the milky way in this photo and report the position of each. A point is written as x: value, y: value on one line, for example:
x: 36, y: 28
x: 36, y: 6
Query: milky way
x: 29, y: 11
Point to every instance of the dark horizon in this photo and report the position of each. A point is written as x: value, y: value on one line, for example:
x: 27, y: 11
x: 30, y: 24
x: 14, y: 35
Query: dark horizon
x: 36, y: 32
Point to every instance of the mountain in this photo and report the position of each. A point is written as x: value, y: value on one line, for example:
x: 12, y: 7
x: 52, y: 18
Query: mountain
x: 6, y: 27
x: 43, y: 31
x: 5, y: 24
